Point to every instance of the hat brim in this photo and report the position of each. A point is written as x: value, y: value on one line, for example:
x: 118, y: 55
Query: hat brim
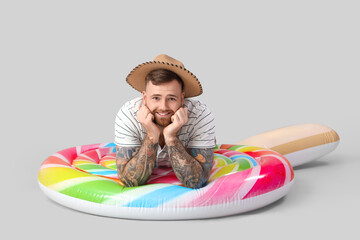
x: 136, y: 77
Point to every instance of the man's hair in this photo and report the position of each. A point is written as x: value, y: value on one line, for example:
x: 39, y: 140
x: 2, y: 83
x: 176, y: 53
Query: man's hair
x: 159, y: 76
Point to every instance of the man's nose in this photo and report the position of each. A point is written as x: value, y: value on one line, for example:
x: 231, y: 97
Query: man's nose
x: 163, y: 104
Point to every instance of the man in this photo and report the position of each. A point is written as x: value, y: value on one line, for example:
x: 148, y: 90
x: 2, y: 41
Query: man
x: 164, y: 127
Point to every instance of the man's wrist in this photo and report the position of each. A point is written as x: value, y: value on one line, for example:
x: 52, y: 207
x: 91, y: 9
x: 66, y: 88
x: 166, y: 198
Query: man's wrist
x: 170, y: 140
x: 153, y: 138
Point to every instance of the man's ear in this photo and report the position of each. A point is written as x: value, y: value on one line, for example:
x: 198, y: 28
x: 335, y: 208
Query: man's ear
x: 144, y: 96
x: 182, y: 98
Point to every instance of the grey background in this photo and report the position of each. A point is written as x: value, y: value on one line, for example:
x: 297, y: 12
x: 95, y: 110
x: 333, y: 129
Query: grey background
x: 262, y: 64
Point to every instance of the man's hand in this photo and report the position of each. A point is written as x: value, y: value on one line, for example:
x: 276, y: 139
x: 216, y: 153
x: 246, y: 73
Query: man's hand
x: 146, y: 118
x: 179, y: 119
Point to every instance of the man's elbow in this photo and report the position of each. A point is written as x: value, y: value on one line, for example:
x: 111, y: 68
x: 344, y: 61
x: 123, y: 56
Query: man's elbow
x: 194, y: 183
x: 128, y: 182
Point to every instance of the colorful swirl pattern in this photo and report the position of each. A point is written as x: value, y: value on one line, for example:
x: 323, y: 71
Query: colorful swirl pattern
x: 240, y: 173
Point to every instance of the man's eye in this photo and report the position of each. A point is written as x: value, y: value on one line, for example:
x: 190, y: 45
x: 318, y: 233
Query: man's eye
x: 172, y: 99
x: 156, y: 98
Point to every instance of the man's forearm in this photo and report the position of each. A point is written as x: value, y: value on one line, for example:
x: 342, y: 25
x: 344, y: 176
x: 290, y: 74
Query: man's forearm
x: 187, y: 169
x: 135, y: 165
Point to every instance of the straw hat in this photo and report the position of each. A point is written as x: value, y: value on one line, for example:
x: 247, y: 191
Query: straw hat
x: 136, y: 77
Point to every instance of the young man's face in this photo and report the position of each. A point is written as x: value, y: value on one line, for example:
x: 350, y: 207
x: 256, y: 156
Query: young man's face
x: 163, y: 100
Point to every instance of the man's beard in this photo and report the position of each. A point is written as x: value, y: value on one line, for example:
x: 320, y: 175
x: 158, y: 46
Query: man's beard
x: 162, y: 121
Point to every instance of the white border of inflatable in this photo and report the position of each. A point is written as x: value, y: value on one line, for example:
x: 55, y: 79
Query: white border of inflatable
x: 162, y: 213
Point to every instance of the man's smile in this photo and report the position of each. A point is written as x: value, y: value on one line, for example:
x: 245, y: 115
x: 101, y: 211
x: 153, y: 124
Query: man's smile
x: 163, y: 114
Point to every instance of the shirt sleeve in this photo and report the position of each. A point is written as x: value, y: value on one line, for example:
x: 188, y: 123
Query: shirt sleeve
x: 127, y: 132
x: 203, y: 133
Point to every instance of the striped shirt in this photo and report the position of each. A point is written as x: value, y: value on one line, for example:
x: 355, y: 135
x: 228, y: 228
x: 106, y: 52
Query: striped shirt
x: 198, y: 132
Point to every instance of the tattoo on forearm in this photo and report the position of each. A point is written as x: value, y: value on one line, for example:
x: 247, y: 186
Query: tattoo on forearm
x: 192, y: 169
x: 135, y: 164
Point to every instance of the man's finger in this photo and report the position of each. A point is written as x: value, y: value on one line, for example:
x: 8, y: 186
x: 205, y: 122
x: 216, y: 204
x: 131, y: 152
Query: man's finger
x: 182, y: 114
x: 150, y: 115
x: 186, y: 111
